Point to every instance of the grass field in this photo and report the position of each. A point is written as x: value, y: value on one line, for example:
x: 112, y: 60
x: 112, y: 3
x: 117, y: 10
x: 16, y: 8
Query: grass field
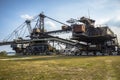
x: 60, y: 68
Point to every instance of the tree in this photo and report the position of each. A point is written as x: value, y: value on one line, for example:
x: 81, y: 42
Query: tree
x: 3, y: 53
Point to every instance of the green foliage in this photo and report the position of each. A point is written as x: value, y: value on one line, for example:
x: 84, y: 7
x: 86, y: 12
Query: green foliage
x: 3, y: 53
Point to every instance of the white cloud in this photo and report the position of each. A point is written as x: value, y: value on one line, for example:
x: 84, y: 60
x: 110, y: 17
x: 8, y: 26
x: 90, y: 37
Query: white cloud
x: 116, y: 30
x: 113, y: 23
x: 102, y: 20
x: 26, y: 16
x: 51, y: 24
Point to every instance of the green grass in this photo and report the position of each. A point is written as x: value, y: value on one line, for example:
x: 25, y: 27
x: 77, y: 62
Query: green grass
x: 61, y: 68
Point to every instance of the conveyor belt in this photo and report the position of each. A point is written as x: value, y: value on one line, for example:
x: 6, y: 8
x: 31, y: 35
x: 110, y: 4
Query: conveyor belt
x: 65, y: 41
x: 56, y: 39
x: 58, y: 31
x: 6, y: 43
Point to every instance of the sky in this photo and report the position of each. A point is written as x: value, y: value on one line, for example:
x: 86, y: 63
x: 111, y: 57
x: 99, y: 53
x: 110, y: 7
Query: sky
x: 15, y: 12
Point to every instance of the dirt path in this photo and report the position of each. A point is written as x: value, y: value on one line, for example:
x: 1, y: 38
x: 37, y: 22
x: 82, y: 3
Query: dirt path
x: 18, y: 58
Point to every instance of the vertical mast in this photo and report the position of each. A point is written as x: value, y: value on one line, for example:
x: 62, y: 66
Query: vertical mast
x: 41, y: 25
x: 29, y: 26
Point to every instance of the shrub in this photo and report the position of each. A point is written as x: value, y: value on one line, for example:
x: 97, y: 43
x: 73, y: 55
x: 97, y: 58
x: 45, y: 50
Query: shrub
x: 3, y: 53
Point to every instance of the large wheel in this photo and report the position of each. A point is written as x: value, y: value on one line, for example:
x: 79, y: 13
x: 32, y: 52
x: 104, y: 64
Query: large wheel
x: 110, y: 52
x: 118, y: 52
x: 94, y: 53
x: 79, y: 53
x: 103, y: 54
x: 87, y: 53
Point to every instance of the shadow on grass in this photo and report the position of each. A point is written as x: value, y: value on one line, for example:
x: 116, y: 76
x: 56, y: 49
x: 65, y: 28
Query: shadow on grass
x: 51, y: 57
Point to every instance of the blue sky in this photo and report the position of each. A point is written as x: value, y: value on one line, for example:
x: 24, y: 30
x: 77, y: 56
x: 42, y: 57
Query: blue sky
x: 12, y: 13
